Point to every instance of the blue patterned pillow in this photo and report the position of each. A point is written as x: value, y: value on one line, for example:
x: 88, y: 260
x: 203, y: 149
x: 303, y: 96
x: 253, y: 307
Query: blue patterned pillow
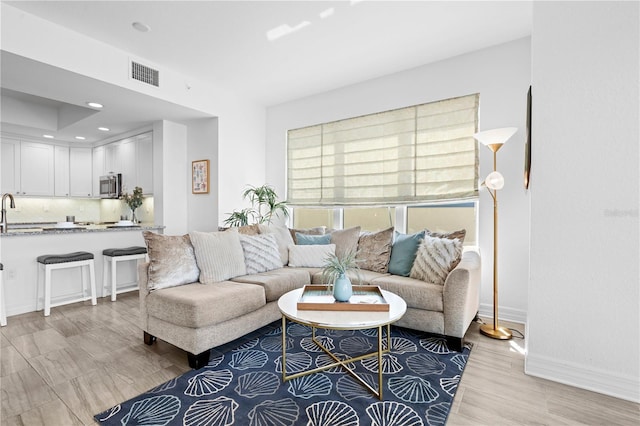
x: 307, y: 240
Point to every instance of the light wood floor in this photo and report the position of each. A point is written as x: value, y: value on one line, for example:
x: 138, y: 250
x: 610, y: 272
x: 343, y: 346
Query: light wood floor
x: 83, y: 359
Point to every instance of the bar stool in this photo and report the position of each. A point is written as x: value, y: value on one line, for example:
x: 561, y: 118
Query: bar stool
x: 115, y: 255
x: 62, y: 261
x: 3, y: 311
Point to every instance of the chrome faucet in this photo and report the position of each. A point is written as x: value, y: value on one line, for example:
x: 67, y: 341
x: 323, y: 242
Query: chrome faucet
x: 3, y: 217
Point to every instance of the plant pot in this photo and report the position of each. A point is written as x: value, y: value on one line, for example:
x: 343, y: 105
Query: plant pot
x: 342, y: 290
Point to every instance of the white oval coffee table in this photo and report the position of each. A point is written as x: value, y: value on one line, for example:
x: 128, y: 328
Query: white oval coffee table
x: 340, y: 320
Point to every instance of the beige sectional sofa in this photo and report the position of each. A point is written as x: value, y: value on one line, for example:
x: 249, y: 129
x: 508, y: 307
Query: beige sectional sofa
x: 197, y: 317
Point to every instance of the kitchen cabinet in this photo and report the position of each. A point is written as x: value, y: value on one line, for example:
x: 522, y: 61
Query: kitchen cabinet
x: 61, y: 171
x: 127, y: 153
x: 144, y: 163
x: 10, y: 166
x: 80, y: 172
x: 27, y: 168
x: 98, y: 162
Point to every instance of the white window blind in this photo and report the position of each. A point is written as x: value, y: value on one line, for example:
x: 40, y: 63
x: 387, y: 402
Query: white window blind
x: 410, y: 155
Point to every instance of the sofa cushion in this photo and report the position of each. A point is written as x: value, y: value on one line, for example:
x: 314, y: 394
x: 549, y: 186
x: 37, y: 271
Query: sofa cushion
x: 260, y: 253
x: 197, y: 305
x: 283, y: 238
x: 346, y: 240
x: 313, y: 256
x: 277, y: 282
x: 172, y: 260
x: 403, y: 252
x: 320, y: 230
x: 435, y: 259
x: 219, y: 255
x: 308, y: 240
x: 363, y: 278
x: 418, y: 294
x: 460, y: 234
x: 374, y: 250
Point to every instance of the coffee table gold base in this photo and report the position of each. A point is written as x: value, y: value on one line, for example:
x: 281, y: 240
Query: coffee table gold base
x: 338, y: 362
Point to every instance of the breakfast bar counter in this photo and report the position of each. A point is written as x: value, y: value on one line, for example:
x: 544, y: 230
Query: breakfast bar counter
x: 22, y: 244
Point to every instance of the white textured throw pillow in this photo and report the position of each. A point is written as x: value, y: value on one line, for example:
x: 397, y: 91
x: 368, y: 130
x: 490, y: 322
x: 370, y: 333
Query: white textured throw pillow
x: 219, y: 255
x: 310, y: 256
x: 435, y: 259
x: 283, y: 238
x: 260, y: 253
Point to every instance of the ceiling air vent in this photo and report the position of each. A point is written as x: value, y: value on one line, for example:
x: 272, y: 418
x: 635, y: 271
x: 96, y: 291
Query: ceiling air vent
x: 145, y: 74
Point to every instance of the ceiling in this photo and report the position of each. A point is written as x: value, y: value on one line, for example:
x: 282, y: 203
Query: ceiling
x: 321, y: 45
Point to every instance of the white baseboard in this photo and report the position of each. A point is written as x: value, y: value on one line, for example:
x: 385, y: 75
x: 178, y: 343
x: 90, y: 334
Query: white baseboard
x: 581, y: 376
x: 504, y: 313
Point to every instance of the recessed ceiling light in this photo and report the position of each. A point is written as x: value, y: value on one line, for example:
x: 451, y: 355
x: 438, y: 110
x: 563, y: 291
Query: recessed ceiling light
x: 48, y: 136
x: 143, y: 28
x: 104, y: 129
x: 95, y: 105
x: 80, y: 138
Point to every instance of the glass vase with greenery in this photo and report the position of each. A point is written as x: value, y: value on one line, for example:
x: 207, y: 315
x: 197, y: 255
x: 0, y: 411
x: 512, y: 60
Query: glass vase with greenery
x: 133, y: 200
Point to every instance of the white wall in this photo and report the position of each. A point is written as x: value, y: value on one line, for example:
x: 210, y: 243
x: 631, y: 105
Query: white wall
x: 203, y: 145
x: 583, y: 323
x: 501, y: 75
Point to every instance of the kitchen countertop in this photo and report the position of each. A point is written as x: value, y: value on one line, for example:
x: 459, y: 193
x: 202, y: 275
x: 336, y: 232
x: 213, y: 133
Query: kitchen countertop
x: 50, y: 229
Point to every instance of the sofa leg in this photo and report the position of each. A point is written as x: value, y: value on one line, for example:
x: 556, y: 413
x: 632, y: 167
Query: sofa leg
x: 198, y: 361
x: 455, y: 343
x: 149, y: 339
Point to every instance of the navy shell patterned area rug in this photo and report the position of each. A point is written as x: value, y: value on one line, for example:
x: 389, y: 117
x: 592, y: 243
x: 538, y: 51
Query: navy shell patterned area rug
x: 242, y: 383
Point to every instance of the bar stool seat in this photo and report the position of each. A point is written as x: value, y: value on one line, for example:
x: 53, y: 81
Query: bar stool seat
x: 114, y: 255
x: 52, y: 262
x: 3, y: 311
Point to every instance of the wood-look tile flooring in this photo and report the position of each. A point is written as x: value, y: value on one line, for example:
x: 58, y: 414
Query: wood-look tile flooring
x: 83, y: 359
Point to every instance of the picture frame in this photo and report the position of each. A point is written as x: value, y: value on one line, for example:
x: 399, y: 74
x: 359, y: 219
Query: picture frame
x: 200, y: 177
x: 527, y: 146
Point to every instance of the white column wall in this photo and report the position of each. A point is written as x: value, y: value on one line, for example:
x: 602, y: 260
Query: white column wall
x: 583, y: 324
x: 501, y: 75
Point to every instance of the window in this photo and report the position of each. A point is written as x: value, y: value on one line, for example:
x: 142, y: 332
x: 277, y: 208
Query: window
x: 405, y: 156
x: 416, y: 165
x: 444, y: 218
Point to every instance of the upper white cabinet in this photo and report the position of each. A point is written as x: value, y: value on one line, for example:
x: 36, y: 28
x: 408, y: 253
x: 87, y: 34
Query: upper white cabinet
x: 80, y: 172
x: 98, y: 168
x: 132, y: 157
x: 36, y: 169
x: 144, y: 162
x: 61, y: 171
x: 10, y: 166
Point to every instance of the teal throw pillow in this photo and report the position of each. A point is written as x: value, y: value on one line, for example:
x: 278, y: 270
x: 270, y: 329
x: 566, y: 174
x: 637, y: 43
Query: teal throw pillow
x: 307, y: 239
x: 403, y: 252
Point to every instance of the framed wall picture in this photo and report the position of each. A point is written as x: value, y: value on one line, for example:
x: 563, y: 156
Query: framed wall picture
x: 527, y: 146
x: 200, y: 177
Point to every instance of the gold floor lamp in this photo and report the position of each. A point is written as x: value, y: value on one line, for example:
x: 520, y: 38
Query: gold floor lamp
x: 494, y: 139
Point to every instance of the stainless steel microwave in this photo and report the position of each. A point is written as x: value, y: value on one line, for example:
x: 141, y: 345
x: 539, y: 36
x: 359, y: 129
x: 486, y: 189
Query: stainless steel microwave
x: 111, y: 185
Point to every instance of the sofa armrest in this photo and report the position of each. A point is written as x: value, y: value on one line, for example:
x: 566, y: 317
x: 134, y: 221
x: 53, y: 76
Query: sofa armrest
x: 461, y: 295
x: 143, y: 292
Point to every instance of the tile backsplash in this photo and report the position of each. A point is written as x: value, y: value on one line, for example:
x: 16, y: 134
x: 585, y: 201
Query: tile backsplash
x: 42, y: 210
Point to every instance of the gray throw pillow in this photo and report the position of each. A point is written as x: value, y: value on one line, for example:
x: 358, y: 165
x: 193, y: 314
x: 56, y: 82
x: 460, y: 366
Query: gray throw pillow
x: 172, y: 261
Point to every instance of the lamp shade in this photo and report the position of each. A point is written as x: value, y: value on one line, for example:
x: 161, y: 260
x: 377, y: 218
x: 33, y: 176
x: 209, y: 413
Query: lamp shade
x: 495, y: 136
x: 494, y: 181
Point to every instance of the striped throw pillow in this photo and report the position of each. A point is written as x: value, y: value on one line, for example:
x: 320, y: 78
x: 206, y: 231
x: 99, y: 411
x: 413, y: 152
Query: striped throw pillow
x: 261, y: 253
x: 436, y: 257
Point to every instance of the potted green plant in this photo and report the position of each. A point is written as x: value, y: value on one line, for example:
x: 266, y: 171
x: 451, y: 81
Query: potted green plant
x: 264, y: 207
x: 335, y: 271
